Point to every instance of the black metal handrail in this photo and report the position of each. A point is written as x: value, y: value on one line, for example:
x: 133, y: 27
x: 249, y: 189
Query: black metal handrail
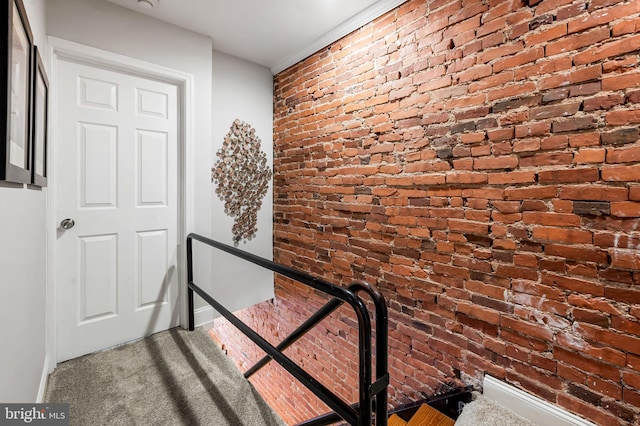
x: 369, y: 391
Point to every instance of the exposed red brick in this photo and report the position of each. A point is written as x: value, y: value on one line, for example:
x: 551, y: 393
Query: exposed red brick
x: 568, y: 176
x: 584, y: 139
x: 478, y: 162
x: 602, y: 102
x: 623, y: 117
x: 575, y: 42
x: 603, y: 16
x: 622, y: 81
x: 621, y: 173
x: 577, y: 76
x: 589, y: 156
x: 628, y: 26
x: 625, y: 209
x: 548, y: 34
x: 593, y: 192
x: 560, y: 110
x: 536, y: 192
x: 574, y: 236
x: 612, y: 49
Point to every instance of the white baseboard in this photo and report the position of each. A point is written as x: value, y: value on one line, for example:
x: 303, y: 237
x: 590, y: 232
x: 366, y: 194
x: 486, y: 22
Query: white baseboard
x: 536, y: 410
x: 204, y: 316
x: 44, y: 378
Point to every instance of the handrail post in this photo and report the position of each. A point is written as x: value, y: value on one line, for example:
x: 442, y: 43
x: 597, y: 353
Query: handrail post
x: 382, y: 339
x: 190, y: 307
x: 382, y: 358
x: 364, y: 332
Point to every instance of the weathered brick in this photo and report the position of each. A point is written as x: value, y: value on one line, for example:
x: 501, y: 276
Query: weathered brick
x: 621, y: 136
x: 568, y: 176
x: 526, y: 145
x: 589, y: 156
x: 611, y: 49
x: 619, y: 65
x: 571, y: 11
x: 623, y: 155
x: 617, y: 340
x: 573, y: 236
x: 623, y: 117
x: 534, y: 192
x: 555, y: 95
x: 547, y: 34
x: 519, y: 59
x: 603, y: 16
x: 625, y: 209
x: 602, y: 102
x: 570, y: 125
x: 625, y: 259
x: 533, y: 129
x: 551, y: 219
x: 516, y: 103
x: 580, y: 75
x: 585, y: 89
x: 573, y: 284
x: 593, y: 193
x: 585, y: 394
x: 575, y: 42
x: 592, y: 208
x: 527, y: 328
x: 621, y: 173
x: 506, y: 162
x: 577, y: 253
x: 621, y: 81
x: 628, y: 26
x: 534, y: 205
x: 519, y: 89
x: 584, y: 139
x: 511, y: 178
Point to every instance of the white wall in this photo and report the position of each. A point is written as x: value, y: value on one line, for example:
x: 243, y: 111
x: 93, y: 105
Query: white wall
x: 242, y: 90
x: 23, y: 273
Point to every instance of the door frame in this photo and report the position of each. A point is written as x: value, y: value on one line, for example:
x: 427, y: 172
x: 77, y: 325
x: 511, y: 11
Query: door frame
x: 60, y: 49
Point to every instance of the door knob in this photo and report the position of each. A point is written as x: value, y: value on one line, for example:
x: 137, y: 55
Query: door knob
x: 67, y: 224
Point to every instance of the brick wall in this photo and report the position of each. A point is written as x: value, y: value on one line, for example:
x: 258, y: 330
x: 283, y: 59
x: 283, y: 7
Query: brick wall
x: 479, y: 161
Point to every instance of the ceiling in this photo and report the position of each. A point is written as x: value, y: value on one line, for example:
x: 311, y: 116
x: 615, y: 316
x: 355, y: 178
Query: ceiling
x: 273, y: 33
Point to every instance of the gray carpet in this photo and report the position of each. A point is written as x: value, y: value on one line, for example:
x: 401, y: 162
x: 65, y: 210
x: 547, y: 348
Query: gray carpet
x: 175, y: 377
x: 482, y: 411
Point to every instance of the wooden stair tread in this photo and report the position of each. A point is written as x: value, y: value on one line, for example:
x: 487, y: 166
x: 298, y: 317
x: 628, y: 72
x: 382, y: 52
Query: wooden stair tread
x: 429, y: 416
x: 395, y: 420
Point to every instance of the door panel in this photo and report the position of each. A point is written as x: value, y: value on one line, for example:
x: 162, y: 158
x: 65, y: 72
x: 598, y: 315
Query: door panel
x: 117, y: 178
x: 99, y: 284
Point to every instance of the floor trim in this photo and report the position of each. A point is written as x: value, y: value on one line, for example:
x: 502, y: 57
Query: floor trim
x: 44, y: 378
x: 204, y: 316
x: 534, y: 409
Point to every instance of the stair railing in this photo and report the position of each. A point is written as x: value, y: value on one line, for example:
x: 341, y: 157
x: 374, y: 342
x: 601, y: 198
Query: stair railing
x: 372, y: 395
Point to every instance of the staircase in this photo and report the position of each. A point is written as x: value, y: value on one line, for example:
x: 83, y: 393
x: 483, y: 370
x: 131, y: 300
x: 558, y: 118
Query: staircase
x: 425, y: 416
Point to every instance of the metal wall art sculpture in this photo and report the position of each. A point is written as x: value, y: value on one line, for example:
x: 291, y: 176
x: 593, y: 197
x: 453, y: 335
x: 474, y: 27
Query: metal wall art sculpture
x: 242, y: 178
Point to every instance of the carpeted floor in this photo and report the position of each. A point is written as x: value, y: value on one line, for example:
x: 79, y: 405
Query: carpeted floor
x: 175, y: 377
x: 483, y: 411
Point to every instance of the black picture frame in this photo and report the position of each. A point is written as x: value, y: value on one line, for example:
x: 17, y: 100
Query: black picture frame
x: 39, y: 121
x: 16, y: 64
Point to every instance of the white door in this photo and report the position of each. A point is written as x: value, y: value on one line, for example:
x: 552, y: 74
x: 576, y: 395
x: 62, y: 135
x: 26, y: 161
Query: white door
x: 116, y: 178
